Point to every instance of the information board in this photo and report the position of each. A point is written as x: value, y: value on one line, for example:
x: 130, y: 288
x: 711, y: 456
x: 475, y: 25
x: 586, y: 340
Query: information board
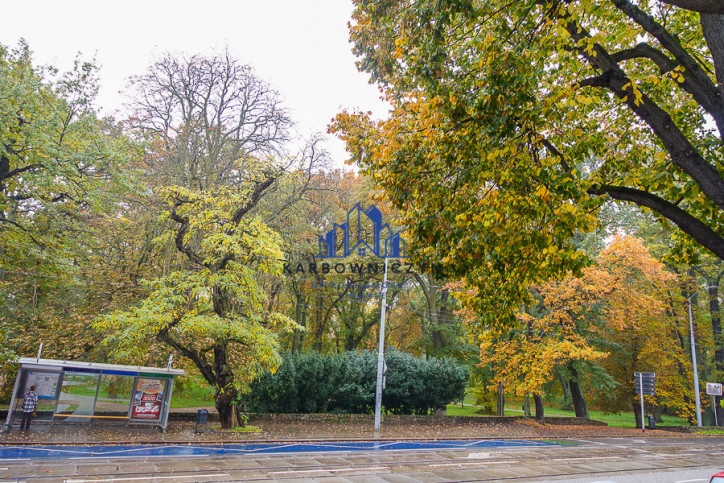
x: 713, y: 389
x: 46, y: 383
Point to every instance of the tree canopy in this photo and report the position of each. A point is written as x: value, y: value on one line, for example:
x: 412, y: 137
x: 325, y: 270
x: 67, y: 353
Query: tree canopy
x: 63, y: 170
x: 512, y: 123
x: 214, y: 131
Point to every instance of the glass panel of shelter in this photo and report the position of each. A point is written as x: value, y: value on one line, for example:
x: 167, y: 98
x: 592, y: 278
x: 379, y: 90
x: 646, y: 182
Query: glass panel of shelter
x: 114, y: 396
x: 46, y: 388
x: 82, y: 395
x: 77, y: 396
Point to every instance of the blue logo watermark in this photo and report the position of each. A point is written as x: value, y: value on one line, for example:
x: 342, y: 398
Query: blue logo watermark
x: 364, y: 233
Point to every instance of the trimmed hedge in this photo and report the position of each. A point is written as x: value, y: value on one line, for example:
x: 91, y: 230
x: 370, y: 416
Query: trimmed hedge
x: 345, y: 383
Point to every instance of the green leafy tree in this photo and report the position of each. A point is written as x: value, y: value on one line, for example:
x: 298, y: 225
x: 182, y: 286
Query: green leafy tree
x: 213, y: 314
x: 62, y: 169
x: 58, y: 161
x: 215, y: 134
x: 498, y: 109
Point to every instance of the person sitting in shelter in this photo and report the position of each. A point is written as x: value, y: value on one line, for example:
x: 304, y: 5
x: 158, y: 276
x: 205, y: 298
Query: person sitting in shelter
x: 30, y: 402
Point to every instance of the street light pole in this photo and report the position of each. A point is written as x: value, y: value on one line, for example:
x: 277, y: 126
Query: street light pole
x: 381, y: 355
x: 693, y: 362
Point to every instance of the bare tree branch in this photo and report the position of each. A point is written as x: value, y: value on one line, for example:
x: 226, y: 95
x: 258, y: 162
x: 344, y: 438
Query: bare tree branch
x: 210, y: 112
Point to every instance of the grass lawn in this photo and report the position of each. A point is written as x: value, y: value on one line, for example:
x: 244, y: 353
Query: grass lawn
x: 623, y: 420
x: 192, y: 396
x: 717, y: 432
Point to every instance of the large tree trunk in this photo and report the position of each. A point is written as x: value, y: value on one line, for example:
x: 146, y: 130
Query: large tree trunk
x: 656, y: 410
x: 715, y: 311
x: 636, y: 405
x: 538, y: 407
x: 301, y: 319
x: 225, y: 407
x: 226, y: 394
x: 579, y: 401
x: 501, y: 399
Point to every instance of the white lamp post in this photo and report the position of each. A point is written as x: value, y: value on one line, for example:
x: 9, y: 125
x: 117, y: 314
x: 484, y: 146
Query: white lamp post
x: 693, y: 360
x: 381, y: 356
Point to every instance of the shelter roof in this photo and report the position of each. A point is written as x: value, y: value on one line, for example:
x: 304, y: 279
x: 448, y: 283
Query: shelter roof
x: 55, y: 365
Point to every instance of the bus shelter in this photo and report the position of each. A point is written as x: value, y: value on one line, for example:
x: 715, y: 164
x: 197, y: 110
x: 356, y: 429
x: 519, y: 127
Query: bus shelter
x: 86, y: 392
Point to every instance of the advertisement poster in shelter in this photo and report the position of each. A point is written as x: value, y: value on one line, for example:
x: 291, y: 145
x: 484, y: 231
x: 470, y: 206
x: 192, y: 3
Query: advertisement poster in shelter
x: 148, y: 399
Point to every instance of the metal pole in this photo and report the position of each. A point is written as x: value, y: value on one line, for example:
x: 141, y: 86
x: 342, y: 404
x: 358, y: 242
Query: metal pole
x: 713, y: 405
x: 381, y: 355
x: 641, y: 397
x: 693, y: 362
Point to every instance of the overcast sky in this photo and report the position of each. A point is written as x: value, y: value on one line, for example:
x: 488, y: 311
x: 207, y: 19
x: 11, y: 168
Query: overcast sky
x: 300, y: 47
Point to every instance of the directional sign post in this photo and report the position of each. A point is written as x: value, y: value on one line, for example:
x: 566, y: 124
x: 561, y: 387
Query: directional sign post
x: 714, y: 389
x: 645, y: 385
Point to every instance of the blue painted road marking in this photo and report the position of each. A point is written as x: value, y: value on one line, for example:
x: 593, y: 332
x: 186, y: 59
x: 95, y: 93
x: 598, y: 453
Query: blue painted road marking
x: 135, y: 451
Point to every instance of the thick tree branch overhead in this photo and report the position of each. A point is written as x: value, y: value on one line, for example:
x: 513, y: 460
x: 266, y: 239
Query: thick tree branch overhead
x: 683, y: 153
x: 698, y: 230
x: 645, y: 51
x: 703, y: 88
x: 712, y: 26
x: 701, y: 6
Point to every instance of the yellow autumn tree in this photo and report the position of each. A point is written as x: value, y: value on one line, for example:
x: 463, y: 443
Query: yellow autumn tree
x: 613, y: 320
x: 641, y: 331
x: 546, y: 336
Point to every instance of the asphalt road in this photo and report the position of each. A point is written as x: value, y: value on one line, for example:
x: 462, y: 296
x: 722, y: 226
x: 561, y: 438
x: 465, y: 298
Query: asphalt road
x: 622, y: 460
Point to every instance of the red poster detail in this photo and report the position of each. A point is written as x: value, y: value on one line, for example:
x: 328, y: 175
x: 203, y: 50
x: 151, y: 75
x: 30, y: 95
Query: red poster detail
x: 147, y: 399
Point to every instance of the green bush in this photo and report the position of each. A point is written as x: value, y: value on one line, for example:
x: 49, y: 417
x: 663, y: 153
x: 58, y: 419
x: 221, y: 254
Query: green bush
x: 345, y: 383
x: 356, y: 393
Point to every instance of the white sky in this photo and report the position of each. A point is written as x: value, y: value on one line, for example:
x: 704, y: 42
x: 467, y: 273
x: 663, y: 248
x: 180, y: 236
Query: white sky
x: 300, y: 47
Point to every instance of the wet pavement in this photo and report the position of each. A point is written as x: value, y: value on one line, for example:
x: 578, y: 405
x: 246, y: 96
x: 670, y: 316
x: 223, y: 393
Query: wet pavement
x: 339, y: 450
x: 620, y: 460
x: 89, y: 452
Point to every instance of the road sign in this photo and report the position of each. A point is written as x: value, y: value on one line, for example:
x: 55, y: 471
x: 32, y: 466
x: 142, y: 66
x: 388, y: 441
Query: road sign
x: 644, y: 385
x: 645, y: 382
x: 713, y: 389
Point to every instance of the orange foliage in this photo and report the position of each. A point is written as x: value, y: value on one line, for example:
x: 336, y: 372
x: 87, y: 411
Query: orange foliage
x: 616, y: 315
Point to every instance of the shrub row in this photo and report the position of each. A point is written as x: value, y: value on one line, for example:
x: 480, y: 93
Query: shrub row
x: 345, y: 383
